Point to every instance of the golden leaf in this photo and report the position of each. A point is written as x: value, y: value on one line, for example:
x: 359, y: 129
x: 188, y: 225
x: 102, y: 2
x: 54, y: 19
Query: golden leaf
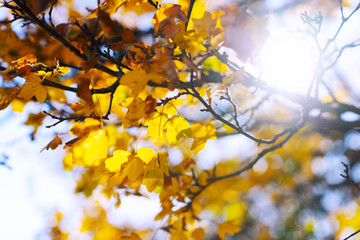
x: 33, y: 87
x: 227, y: 228
x: 7, y: 98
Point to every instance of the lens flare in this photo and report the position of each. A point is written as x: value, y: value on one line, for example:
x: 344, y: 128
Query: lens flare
x: 289, y: 63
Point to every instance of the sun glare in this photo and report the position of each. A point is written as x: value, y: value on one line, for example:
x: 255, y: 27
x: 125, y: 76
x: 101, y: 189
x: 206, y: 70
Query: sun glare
x: 288, y: 63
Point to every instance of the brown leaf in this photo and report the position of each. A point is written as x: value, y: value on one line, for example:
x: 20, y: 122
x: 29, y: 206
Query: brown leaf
x: 84, y: 91
x: 38, y: 6
x: 164, y: 64
x: 63, y: 29
x: 110, y: 27
x: 53, y: 144
x: 71, y: 142
x: 76, y: 106
x: 150, y: 105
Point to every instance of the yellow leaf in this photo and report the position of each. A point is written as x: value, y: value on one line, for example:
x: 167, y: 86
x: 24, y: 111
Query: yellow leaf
x: 153, y: 179
x: 227, y: 228
x: 156, y: 127
x: 114, y: 163
x: 198, y: 234
x: 235, y: 212
x: 134, y: 169
x: 18, y: 105
x: 140, y: 78
x: 115, y: 180
x: 197, y: 13
x: 33, y: 87
x: 201, y: 133
x: 92, y: 149
x: 164, y: 163
x: 145, y: 154
x: 176, y: 128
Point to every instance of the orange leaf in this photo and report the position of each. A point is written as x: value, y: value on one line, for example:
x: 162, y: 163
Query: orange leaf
x: 76, y: 106
x: 25, y: 64
x: 7, y: 98
x: 227, y: 228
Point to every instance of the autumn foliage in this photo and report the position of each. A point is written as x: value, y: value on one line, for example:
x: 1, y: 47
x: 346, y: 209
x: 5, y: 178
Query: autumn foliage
x: 144, y: 104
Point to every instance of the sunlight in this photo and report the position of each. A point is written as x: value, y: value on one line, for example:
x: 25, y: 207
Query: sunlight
x: 288, y: 63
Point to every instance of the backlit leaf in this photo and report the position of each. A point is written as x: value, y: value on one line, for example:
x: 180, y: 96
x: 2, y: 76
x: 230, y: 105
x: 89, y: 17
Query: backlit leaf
x: 176, y: 128
x: 145, y: 154
x: 114, y: 163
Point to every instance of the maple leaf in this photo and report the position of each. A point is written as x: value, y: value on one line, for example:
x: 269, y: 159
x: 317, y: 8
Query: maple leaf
x: 156, y: 126
x: 91, y: 149
x: 145, y: 154
x: 153, y: 179
x: 33, y: 87
x: 114, y: 163
x: 164, y: 20
x: 140, y: 78
x: 176, y: 128
x: 201, y: 133
x: 134, y: 170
